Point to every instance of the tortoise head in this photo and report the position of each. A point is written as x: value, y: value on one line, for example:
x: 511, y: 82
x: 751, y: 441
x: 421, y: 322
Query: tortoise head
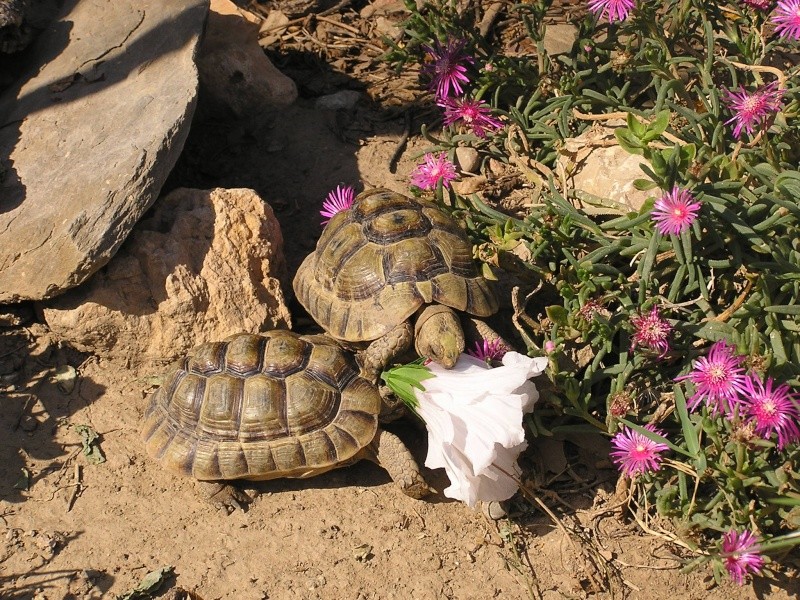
x: 438, y: 335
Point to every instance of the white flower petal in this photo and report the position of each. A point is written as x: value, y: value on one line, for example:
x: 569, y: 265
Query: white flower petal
x: 532, y: 366
x: 474, y: 419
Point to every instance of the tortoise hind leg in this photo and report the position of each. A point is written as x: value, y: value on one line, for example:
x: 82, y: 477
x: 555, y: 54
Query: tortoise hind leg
x: 223, y: 496
x: 389, y: 452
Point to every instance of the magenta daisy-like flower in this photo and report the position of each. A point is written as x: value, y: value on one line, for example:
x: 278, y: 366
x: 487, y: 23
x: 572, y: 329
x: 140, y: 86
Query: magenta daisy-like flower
x: 615, y: 10
x: 474, y: 113
x: 446, y: 67
x: 437, y: 167
x: 752, y: 110
x: 718, y: 379
x: 651, y: 331
x: 771, y: 409
x: 488, y: 350
x: 337, y: 200
x: 589, y: 309
x: 741, y: 554
x: 758, y: 4
x: 635, y: 453
x: 787, y: 19
x: 675, y: 211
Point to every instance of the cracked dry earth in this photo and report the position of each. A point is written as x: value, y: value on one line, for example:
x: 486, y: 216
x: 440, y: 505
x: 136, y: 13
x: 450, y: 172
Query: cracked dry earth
x: 78, y: 530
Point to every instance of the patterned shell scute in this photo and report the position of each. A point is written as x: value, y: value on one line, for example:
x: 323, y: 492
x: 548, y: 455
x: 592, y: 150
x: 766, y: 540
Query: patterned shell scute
x: 380, y: 260
x: 259, y: 407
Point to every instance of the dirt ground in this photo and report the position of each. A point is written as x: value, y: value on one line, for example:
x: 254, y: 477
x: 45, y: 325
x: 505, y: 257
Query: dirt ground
x: 74, y: 529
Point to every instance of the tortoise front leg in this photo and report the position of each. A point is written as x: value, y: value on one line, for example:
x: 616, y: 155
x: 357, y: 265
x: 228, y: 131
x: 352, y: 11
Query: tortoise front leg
x: 382, y: 351
x: 389, y: 452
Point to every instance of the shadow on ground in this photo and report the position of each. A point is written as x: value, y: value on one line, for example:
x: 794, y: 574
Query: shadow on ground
x: 41, y: 388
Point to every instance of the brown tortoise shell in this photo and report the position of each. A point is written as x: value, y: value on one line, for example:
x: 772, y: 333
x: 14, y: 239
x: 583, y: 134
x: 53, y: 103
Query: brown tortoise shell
x: 260, y: 407
x: 377, y: 262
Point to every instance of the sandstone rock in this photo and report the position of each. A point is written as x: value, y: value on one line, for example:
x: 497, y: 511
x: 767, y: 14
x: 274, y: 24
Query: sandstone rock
x: 88, y: 134
x: 205, y: 264
x: 236, y: 77
x: 602, y: 173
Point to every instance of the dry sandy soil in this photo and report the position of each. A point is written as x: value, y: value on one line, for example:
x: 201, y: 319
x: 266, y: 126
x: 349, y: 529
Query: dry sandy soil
x: 73, y: 529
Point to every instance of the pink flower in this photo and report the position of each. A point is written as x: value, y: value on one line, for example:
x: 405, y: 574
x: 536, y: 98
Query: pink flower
x: 615, y: 10
x: 753, y: 110
x: 636, y: 453
x: 589, y: 309
x: 337, y: 200
x: 741, y: 554
x: 474, y: 113
x: 718, y: 379
x: 675, y: 211
x: 771, y: 409
x: 787, y: 18
x: 446, y: 67
x: 488, y: 350
x: 758, y: 4
x: 651, y: 331
x: 435, y: 168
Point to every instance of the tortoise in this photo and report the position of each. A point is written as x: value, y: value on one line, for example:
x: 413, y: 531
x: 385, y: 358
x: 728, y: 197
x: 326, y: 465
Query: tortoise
x: 388, y: 260
x: 280, y: 404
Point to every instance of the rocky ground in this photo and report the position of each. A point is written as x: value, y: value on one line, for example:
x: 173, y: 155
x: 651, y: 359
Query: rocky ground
x: 91, y: 518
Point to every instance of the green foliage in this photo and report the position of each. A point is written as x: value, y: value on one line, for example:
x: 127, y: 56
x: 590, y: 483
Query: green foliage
x: 404, y: 379
x: 734, y: 275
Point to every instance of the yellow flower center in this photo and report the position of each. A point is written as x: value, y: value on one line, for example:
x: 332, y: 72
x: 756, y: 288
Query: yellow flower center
x: 769, y: 408
x: 717, y: 373
x: 751, y: 104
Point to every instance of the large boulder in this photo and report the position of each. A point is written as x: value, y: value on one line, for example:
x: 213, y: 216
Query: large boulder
x: 204, y: 265
x: 88, y: 135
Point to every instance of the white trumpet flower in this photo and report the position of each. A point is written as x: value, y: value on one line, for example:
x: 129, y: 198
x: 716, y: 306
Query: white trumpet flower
x: 473, y: 414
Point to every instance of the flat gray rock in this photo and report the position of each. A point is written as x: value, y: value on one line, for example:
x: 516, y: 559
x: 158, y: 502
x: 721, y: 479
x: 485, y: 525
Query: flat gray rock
x: 89, y: 134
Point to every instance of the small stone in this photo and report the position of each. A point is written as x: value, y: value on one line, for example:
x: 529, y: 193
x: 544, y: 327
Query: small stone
x: 271, y: 28
x: 388, y: 28
x: 559, y: 38
x: 469, y: 185
x: 383, y: 7
x: 468, y: 159
x: 362, y: 552
x: 341, y: 100
x: 493, y: 511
